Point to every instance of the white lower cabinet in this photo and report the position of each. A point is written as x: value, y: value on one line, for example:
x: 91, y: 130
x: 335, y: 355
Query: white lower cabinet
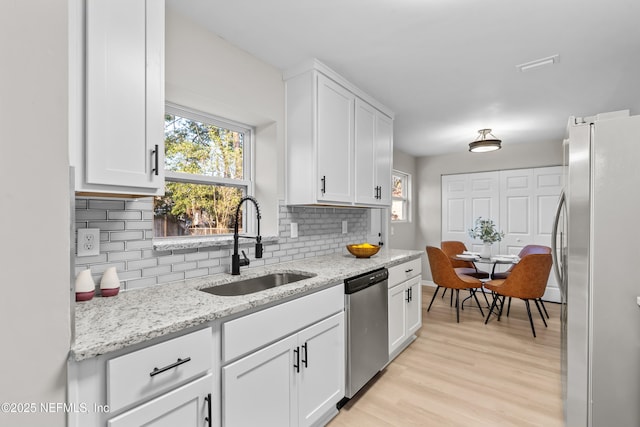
x: 188, y: 406
x: 168, y: 383
x: 294, y: 382
x: 405, y: 314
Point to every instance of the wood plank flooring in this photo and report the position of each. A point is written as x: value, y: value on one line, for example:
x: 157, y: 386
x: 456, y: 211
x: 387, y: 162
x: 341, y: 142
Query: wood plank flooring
x: 467, y: 374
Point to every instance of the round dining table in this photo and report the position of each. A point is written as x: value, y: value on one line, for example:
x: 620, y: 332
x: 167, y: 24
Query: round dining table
x: 495, y: 260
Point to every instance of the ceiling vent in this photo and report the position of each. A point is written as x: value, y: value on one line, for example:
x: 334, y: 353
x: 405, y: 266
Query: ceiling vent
x: 549, y: 60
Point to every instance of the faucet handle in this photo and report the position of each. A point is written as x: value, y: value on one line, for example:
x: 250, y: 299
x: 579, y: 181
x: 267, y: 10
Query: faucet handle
x: 245, y: 261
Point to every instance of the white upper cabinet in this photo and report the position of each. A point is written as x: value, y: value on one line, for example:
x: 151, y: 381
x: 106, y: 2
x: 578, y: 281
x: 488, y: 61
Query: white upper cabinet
x: 335, y: 141
x: 339, y: 141
x: 122, y: 151
x: 374, y: 149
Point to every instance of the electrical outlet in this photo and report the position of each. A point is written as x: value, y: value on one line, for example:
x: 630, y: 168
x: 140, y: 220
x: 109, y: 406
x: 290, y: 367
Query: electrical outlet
x: 294, y: 230
x: 88, y: 242
x: 344, y: 227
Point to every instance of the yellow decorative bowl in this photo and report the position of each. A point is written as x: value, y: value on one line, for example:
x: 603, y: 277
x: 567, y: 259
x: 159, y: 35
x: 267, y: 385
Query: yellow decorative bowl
x: 363, y: 250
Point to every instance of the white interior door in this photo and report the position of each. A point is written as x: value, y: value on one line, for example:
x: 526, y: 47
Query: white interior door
x: 548, y: 183
x: 516, y: 209
x: 466, y: 197
x: 522, y: 203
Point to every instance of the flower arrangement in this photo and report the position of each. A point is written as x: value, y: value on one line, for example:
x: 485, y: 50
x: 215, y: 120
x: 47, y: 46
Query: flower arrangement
x: 485, y: 230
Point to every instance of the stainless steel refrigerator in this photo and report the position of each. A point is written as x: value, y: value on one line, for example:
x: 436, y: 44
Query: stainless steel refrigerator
x: 597, y: 259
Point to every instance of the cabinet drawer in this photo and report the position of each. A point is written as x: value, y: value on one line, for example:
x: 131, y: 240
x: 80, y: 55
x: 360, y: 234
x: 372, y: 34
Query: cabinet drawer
x: 253, y: 331
x: 139, y: 375
x: 407, y: 270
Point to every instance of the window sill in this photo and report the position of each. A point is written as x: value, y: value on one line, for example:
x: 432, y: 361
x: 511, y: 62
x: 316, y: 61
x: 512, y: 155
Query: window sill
x: 175, y: 243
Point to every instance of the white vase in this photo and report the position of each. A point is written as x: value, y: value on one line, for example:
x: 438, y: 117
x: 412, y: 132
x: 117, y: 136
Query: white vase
x: 85, y: 286
x: 485, y: 252
x: 110, y: 283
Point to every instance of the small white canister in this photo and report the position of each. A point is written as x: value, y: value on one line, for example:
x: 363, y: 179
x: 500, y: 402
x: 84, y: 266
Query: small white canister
x: 85, y: 286
x: 110, y: 283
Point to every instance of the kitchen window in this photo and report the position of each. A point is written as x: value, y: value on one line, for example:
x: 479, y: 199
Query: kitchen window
x: 400, y: 196
x: 207, y: 172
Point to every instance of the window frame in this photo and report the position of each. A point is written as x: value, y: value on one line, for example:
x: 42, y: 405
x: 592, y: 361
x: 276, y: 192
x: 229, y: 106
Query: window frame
x: 248, y: 165
x: 406, y: 199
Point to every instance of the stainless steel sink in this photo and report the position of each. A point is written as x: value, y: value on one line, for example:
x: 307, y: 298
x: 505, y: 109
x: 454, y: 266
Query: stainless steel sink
x: 256, y: 284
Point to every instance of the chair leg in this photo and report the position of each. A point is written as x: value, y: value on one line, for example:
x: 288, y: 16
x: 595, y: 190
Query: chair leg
x: 485, y: 297
x: 509, y: 307
x: 457, y: 306
x: 434, y: 297
x: 540, y: 311
x: 530, y: 318
x: 451, y: 299
x: 501, y: 307
x: 477, y: 302
x: 444, y: 293
x: 493, y: 304
x: 543, y: 307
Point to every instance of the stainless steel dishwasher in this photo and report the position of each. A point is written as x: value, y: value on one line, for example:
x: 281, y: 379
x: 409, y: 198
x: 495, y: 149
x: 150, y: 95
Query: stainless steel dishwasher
x: 366, y: 298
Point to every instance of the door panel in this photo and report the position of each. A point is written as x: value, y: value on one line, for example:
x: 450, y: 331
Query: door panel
x: 265, y: 382
x: 322, y: 376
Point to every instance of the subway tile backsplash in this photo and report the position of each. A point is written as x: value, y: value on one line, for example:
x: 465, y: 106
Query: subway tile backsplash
x: 126, y: 241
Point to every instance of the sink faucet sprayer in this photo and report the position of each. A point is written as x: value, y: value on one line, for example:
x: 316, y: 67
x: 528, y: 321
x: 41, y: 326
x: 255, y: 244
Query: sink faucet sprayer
x: 236, y: 262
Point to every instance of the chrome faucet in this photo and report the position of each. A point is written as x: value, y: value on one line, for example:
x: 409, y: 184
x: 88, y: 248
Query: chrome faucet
x: 236, y: 262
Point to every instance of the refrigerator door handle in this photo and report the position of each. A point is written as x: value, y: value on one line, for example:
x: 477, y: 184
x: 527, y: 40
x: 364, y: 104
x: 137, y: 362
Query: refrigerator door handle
x: 554, y: 238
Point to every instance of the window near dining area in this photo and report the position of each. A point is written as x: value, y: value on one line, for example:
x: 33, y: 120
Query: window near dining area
x: 206, y: 174
x: 400, y: 191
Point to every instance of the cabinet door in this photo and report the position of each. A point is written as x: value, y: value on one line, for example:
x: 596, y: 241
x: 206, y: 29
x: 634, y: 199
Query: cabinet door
x: 414, y: 306
x: 373, y: 148
x: 335, y: 126
x: 185, y: 406
x: 384, y: 155
x: 322, y: 375
x: 260, y: 389
x: 397, y: 316
x: 125, y: 93
x: 365, y: 157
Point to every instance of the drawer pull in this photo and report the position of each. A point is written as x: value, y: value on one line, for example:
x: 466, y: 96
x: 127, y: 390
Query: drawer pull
x: 409, y: 270
x: 157, y: 371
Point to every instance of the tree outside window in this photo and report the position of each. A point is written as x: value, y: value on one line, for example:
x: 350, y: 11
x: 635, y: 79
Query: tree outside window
x: 205, y: 175
x: 400, y: 196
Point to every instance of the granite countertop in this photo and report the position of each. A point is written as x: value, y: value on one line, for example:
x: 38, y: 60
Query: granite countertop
x: 104, y: 325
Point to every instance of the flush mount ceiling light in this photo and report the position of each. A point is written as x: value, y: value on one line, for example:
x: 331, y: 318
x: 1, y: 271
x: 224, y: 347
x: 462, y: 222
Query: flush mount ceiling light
x: 482, y: 144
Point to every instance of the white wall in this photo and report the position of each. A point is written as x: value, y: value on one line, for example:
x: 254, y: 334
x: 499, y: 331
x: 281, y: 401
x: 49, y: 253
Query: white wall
x: 205, y: 72
x: 431, y: 168
x: 403, y: 234
x: 35, y: 209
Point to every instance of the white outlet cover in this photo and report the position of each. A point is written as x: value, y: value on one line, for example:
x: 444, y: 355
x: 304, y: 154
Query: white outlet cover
x: 344, y: 227
x: 294, y: 230
x: 88, y: 242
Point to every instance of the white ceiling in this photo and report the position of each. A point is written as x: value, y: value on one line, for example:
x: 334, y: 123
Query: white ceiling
x: 448, y: 67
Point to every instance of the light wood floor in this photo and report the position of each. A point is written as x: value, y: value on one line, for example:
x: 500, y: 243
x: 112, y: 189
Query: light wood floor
x: 467, y: 374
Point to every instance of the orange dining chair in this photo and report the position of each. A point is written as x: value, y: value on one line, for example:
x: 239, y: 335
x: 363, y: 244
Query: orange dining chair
x: 468, y: 268
x: 444, y: 276
x: 527, y: 250
x: 527, y: 281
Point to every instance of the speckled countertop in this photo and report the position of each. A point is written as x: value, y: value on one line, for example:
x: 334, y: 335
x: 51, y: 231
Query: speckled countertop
x: 109, y: 324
